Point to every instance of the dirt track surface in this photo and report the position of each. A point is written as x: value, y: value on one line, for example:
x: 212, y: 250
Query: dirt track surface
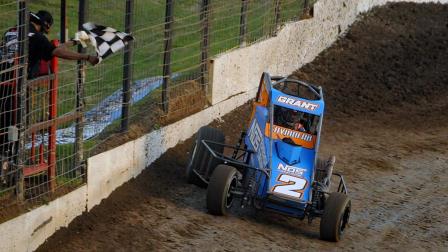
x: 386, y: 90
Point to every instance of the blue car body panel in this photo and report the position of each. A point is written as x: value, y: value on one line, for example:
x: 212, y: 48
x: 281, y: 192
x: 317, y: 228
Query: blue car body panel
x: 285, y: 171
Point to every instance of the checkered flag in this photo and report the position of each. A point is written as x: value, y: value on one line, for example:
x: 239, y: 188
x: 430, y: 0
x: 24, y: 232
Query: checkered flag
x: 106, y: 40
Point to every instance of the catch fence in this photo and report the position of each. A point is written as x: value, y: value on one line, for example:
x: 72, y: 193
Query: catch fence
x: 51, y: 124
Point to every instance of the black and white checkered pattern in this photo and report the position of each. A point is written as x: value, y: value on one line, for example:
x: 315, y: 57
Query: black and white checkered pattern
x: 106, y: 40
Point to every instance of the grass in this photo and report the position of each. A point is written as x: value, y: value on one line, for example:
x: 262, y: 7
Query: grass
x: 70, y: 182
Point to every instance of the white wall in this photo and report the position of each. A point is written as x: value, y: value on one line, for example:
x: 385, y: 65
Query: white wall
x: 296, y: 44
x: 235, y: 79
x: 110, y: 169
x: 28, y: 231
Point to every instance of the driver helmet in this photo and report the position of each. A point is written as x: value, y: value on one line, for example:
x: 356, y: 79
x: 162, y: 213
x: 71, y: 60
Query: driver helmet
x: 292, y: 117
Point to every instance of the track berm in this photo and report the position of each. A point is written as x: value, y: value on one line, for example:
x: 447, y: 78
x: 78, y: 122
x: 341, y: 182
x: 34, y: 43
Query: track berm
x: 386, y: 89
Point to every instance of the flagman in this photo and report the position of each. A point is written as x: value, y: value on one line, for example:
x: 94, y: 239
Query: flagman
x: 40, y: 47
x: 105, y: 40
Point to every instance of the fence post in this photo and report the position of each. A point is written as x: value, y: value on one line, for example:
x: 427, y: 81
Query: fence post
x: 79, y: 128
x: 277, y: 12
x: 243, y: 22
x: 205, y: 39
x: 63, y: 29
x: 306, y: 8
x: 127, y: 69
x: 167, y: 53
x: 21, y: 101
x: 53, y: 114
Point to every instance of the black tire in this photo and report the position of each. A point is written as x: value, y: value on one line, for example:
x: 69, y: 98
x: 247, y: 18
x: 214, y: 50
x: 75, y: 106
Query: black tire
x: 223, y: 180
x: 335, y: 218
x: 201, y: 159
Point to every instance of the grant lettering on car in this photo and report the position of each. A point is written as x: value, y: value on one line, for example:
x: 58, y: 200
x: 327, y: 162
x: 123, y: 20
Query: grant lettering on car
x: 300, y: 138
x: 298, y: 103
x: 256, y: 139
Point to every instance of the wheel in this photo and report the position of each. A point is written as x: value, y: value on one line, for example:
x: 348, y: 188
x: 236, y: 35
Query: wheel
x: 335, y: 218
x: 201, y: 159
x: 223, y: 181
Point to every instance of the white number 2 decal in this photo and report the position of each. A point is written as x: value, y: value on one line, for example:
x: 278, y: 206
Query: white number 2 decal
x: 290, y: 185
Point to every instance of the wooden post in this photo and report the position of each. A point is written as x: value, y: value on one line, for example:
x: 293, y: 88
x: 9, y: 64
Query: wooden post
x: 63, y: 29
x: 204, y: 43
x: 243, y: 22
x: 277, y: 12
x: 127, y: 68
x: 79, y: 128
x: 21, y: 78
x: 167, y: 53
x: 306, y: 9
x: 53, y: 115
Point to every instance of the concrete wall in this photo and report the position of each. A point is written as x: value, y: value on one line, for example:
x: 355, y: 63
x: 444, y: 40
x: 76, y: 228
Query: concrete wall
x: 296, y: 44
x: 28, y: 231
x: 108, y: 170
x: 235, y: 79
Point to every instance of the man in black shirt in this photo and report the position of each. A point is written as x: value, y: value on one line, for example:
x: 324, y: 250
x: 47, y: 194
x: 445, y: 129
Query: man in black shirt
x: 40, y: 47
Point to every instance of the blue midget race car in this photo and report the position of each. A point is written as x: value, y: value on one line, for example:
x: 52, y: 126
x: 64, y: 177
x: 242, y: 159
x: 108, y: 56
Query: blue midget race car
x: 275, y: 165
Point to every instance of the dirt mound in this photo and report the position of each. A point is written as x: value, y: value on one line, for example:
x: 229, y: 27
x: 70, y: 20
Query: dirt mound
x: 387, y: 121
x: 394, y: 56
x: 186, y: 98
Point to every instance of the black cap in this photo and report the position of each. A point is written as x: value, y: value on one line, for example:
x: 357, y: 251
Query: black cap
x: 43, y: 18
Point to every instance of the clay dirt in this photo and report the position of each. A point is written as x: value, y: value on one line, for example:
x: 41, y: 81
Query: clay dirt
x: 385, y: 84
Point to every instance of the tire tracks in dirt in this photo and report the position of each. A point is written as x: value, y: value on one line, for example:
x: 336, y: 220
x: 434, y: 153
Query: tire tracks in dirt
x: 386, y: 92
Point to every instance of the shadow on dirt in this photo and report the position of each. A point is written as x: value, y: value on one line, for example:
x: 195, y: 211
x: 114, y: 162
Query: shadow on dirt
x: 385, y: 88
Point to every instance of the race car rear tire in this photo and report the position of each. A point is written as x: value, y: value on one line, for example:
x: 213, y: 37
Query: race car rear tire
x: 336, y: 215
x: 223, y: 181
x: 201, y: 159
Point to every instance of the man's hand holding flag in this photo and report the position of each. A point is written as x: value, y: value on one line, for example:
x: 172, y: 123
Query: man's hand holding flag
x: 105, y: 40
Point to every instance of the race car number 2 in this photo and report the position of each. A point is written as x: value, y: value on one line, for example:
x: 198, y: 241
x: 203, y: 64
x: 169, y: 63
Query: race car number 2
x: 290, y: 186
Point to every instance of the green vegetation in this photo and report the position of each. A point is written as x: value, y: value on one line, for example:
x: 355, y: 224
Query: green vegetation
x: 149, y: 16
x: 69, y: 182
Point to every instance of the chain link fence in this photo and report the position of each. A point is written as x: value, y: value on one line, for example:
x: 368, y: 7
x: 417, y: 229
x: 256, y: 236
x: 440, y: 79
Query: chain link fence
x: 51, y: 124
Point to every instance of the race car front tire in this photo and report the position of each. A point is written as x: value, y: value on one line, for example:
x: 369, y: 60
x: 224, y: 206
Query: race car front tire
x: 223, y: 181
x: 336, y: 215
